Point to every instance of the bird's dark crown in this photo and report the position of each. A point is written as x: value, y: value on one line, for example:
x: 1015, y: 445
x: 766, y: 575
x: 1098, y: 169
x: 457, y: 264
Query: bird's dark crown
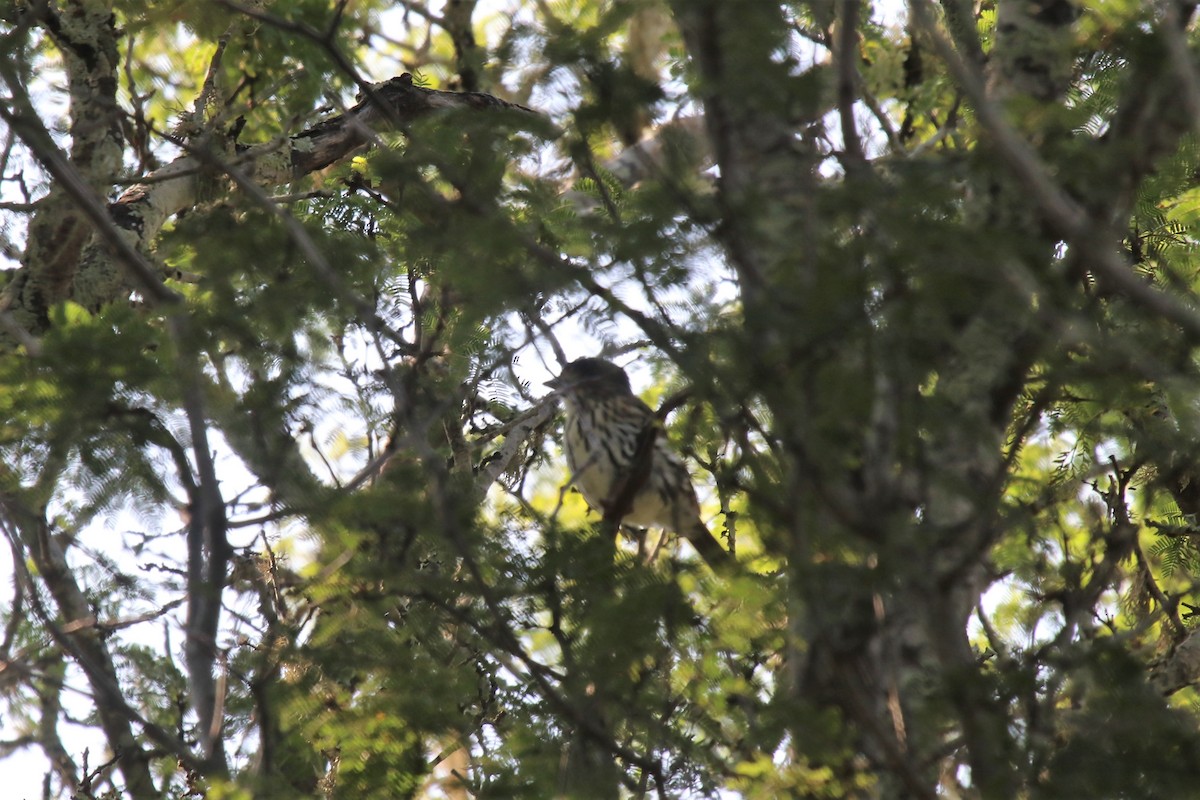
x: 592, y: 374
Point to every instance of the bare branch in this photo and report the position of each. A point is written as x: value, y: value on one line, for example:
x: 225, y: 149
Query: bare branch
x: 516, y: 434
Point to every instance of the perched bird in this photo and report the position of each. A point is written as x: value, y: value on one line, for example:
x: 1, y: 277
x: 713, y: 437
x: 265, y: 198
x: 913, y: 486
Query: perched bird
x: 619, y: 457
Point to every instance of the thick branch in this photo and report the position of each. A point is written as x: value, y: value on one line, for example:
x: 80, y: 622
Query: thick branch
x: 766, y: 177
x: 84, y: 32
x: 1180, y: 669
x: 138, y: 215
x: 208, y: 556
x: 458, y: 23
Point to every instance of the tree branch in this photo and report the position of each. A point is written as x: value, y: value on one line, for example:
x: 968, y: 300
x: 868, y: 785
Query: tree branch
x: 1179, y: 669
x: 1091, y: 237
x: 133, y: 221
x: 208, y: 556
x: 84, y: 643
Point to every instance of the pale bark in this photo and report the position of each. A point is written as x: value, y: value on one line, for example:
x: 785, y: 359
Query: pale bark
x: 1179, y: 669
x: 93, y: 278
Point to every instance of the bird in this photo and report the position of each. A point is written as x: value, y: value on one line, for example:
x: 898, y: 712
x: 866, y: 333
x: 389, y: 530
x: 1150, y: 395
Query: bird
x: 618, y: 456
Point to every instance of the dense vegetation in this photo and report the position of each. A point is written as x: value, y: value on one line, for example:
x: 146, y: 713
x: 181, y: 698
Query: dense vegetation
x: 916, y: 291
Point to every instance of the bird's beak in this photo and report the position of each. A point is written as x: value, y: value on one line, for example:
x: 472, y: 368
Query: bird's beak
x: 555, y: 383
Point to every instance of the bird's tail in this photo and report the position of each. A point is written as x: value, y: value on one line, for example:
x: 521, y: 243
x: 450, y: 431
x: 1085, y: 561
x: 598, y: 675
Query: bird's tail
x: 717, y: 557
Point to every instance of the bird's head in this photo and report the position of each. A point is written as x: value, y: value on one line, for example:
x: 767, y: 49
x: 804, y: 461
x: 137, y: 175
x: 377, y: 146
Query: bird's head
x: 593, y: 376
